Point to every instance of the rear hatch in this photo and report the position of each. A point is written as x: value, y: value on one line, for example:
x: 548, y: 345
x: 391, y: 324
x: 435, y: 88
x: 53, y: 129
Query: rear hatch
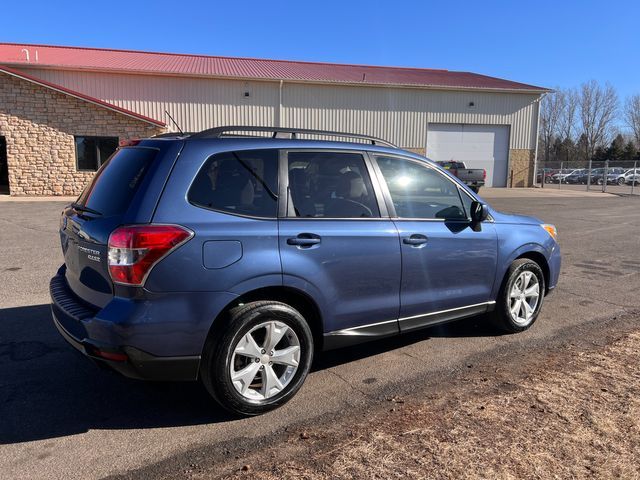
x: 107, y: 202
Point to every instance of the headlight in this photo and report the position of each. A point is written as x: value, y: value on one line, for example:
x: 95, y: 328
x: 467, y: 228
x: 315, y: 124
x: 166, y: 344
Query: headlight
x: 551, y: 230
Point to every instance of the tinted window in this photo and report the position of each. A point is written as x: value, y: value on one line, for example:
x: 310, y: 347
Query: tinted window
x: 244, y: 183
x: 466, y: 202
x: 117, y: 181
x: 330, y: 185
x: 418, y: 191
x: 92, y: 152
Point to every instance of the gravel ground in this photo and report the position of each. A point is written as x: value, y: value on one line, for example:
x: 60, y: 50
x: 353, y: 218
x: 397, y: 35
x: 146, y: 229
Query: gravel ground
x: 573, y: 414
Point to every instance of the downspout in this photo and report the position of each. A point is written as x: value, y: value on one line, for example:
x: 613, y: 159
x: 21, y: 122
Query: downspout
x: 537, y: 140
x: 279, y: 122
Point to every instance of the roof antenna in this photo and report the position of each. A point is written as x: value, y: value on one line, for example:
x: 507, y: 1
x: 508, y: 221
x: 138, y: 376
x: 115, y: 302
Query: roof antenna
x: 174, y: 122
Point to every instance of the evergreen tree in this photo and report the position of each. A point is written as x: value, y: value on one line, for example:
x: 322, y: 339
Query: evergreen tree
x: 630, y: 151
x: 600, y: 155
x: 616, y: 149
x: 581, y: 146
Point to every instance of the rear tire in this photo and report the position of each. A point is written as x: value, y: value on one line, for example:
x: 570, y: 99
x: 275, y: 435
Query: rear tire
x: 259, y: 358
x: 516, y: 309
x: 475, y: 189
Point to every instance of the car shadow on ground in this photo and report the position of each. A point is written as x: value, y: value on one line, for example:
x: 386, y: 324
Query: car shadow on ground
x: 49, y: 390
x: 478, y: 326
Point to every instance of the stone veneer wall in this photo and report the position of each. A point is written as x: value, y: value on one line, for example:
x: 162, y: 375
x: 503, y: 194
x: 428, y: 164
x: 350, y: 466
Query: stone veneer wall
x: 521, y: 171
x: 418, y: 150
x: 39, y: 125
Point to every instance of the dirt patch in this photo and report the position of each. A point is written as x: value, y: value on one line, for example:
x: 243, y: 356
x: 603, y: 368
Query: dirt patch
x: 575, y: 414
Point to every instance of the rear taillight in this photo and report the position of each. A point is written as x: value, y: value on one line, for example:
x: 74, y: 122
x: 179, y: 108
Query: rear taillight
x: 484, y: 174
x: 135, y: 249
x: 132, y: 142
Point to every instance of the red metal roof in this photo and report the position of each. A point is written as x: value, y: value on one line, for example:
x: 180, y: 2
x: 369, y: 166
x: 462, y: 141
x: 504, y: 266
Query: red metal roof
x: 249, y: 68
x: 81, y: 96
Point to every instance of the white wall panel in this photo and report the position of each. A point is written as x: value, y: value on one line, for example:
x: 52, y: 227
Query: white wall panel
x: 400, y: 115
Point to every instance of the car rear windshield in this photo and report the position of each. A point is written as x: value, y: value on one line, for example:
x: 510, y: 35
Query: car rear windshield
x: 117, y: 181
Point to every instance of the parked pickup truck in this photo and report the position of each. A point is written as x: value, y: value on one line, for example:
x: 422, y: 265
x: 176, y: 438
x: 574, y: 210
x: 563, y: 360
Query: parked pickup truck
x: 472, y: 177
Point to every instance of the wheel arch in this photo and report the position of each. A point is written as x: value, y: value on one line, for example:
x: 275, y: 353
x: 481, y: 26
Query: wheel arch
x: 297, y: 299
x: 541, y: 260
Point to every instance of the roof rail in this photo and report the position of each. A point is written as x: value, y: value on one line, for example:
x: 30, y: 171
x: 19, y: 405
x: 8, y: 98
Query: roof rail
x: 218, y: 132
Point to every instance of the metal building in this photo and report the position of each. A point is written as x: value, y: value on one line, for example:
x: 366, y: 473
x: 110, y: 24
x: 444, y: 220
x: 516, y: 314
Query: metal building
x: 486, y: 122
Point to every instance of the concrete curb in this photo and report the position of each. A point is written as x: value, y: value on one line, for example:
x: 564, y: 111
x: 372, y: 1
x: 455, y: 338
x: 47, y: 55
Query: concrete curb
x: 9, y: 198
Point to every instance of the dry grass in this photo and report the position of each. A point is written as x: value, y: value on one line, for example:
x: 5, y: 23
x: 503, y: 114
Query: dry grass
x: 576, y: 416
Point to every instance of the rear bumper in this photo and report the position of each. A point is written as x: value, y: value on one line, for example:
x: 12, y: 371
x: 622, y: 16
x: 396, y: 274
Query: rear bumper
x: 71, y: 317
x: 474, y: 183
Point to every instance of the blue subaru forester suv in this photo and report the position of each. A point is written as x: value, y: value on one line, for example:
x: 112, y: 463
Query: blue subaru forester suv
x: 232, y: 254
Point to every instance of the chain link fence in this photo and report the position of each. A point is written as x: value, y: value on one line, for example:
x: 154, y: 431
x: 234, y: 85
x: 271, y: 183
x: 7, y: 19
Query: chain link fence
x: 613, y: 176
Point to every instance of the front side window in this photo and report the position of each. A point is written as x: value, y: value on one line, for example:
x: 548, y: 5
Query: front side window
x: 243, y: 183
x: 92, y: 152
x: 330, y: 185
x: 418, y: 191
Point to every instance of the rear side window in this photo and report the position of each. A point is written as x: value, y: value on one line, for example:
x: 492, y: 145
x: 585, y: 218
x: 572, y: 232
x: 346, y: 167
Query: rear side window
x: 243, y: 183
x: 117, y: 181
x: 330, y: 185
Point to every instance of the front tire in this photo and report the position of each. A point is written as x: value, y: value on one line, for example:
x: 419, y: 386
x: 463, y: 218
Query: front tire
x: 521, y: 296
x: 259, y: 359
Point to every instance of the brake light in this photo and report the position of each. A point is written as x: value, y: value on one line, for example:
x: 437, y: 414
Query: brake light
x: 132, y: 142
x: 135, y: 249
x: 113, y: 356
x: 484, y: 174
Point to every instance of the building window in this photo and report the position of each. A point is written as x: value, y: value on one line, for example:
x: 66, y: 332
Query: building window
x: 91, y: 152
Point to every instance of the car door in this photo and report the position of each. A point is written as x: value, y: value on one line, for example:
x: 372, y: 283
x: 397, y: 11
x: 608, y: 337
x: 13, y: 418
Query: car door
x: 448, y: 264
x: 337, y: 242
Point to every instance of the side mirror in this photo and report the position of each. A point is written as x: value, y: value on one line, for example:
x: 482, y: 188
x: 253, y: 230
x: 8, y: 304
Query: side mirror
x: 479, y: 212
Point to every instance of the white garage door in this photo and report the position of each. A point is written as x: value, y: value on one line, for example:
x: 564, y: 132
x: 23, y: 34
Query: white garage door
x: 478, y: 146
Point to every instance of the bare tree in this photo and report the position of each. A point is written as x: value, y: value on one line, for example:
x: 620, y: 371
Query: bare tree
x: 567, y: 122
x: 551, y: 112
x: 632, y: 115
x: 598, y: 105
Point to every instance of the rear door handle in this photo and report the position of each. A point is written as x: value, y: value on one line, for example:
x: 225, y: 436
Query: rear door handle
x: 415, y: 240
x: 304, y: 240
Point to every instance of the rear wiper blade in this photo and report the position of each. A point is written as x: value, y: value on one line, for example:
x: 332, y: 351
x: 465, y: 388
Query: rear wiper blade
x: 82, y: 208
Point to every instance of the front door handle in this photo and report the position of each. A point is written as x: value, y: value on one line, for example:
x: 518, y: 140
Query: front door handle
x: 415, y: 240
x: 304, y: 240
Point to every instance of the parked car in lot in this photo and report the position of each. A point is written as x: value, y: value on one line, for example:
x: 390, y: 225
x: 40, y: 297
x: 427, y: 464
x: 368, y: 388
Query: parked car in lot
x: 474, y: 178
x: 615, y: 176
x: 233, y: 259
x: 575, y: 177
x: 560, y: 175
x: 632, y: 176
x: 583, y: 177
x: 546, y: 174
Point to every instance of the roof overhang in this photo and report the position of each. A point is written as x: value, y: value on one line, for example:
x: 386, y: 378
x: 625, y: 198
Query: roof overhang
x: 531, y: 91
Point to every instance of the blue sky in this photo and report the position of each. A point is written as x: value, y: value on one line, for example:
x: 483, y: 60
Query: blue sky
x: 547, y: 43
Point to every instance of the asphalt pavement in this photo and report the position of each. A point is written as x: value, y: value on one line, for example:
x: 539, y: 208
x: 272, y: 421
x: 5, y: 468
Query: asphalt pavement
x: 62, y: 417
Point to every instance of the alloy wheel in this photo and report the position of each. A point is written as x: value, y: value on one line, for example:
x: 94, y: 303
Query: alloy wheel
x: 524, y: 297
x: 265, y: 360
